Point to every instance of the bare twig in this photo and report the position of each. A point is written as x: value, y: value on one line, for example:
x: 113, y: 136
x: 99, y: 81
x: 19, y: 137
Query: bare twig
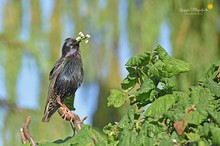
x: 25, y: 133
x: 75, y: 119
x: 23, y: 138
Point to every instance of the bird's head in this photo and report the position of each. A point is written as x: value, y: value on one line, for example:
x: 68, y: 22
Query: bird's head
x: 70, y: 47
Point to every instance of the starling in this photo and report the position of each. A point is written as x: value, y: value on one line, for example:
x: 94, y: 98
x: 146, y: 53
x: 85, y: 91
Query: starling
x: 65, y: 77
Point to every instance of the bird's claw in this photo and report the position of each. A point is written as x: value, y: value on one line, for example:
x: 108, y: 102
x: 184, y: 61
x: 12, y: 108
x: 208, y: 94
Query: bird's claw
x: 68, y: 115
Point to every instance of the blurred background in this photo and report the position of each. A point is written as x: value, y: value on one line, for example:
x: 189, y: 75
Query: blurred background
x: 32, y: 33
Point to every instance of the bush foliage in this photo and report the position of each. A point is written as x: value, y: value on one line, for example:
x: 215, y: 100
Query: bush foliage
x: 158, y: 113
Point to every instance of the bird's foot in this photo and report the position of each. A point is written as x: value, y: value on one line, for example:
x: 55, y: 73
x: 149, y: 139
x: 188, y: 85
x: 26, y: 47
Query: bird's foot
x: 66, y: 114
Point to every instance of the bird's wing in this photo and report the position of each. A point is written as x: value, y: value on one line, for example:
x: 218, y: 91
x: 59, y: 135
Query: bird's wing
x: 56, y: 69
x: 54, y: 73
x: 51, y: 104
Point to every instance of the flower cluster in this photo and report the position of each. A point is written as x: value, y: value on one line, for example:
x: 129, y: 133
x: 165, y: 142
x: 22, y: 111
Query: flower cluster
x: 83, y: 37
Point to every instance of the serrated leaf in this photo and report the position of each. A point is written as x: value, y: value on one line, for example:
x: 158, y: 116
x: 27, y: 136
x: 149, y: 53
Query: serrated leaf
x: 87, y: 136
x: 215, y: 135
x: 117, y: 98
x: 196, y: 118
x: 211, y: 73
x: 49, y: 144
x: 167, y: 66
x: 127, y: 137
x: 168, y: 84
x: 128, y: 120
x: 204, y: 130
x: 146, y: 86
x: 165, y: 142
x: 202, y: 143
x: 201, y: 98
x: 160, y: 105
x: 131, y: 70
x: 215, y: 115
x: 128, y: 84
x: 130, y: 81
x: 193, y: 137
x: 213, y: 86
x: 138, y: 60
x: 149, y: 130
x: 176, y: 115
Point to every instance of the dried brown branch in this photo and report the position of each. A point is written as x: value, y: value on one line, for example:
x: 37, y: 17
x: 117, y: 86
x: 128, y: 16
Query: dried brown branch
x: 25, y: 133
x: 75, y: 119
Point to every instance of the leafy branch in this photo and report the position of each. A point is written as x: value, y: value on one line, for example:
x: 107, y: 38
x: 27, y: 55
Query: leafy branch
x: 159, y: 113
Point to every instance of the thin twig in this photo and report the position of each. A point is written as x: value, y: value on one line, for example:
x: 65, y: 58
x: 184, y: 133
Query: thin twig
x: 25, y: 133
x: 75, y: 119
x: 23, y: 138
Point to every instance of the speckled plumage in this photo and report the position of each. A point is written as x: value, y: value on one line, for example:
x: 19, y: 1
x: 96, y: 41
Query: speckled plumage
x: 65, y: 77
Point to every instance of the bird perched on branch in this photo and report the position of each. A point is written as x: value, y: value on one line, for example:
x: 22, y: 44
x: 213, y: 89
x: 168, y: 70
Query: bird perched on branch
x: 65, y: 77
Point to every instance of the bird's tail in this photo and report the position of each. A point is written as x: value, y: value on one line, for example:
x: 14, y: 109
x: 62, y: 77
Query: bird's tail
x: 50, y: 108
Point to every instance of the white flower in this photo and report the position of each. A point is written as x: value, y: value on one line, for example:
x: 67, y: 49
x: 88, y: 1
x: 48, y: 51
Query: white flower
x: 78, y: 38
x: 88, y: 36
x: 81, y: 35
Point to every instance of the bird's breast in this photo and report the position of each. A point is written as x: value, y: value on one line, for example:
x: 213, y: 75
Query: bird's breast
x: 70, y: 77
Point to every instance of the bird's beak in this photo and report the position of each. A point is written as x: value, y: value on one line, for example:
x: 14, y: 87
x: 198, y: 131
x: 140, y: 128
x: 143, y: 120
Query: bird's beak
x: 78, y: 39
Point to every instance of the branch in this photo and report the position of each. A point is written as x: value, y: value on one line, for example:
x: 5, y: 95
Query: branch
x: 25, y: 134
x: 76, y: 120
x: 11, y: 106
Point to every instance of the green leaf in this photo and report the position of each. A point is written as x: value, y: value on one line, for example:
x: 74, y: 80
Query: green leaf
x: 139, y: 60
x: 215, y: 135
x: 213, y: 86
x: 127, y: 137
x: 204, y: 130
x: 202, y: 143
x: 168, y: 84
x: 69, y: 101
x: 167, y: 66
x: 127, y: 121
x: 116, y: 98
x: 215, y: 115
x: 148, y: 134
x: 49, y: 144
x: 176, y: 114
x: 131, y: 70
x: 196, y: 118
x: 201, y: 98
x: 85, y: 137
x: 128, y: 84
x: 160, y: 105
x: 193, y: 137
x: 211, y: 73
x: 146, y: 86
x: 165, y: 142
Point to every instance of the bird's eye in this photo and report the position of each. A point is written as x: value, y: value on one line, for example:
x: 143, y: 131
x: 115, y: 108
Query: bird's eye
x: 71, y: 46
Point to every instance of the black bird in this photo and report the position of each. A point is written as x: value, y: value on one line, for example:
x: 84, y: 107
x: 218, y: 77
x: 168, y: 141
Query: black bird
x: 65, y: 77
